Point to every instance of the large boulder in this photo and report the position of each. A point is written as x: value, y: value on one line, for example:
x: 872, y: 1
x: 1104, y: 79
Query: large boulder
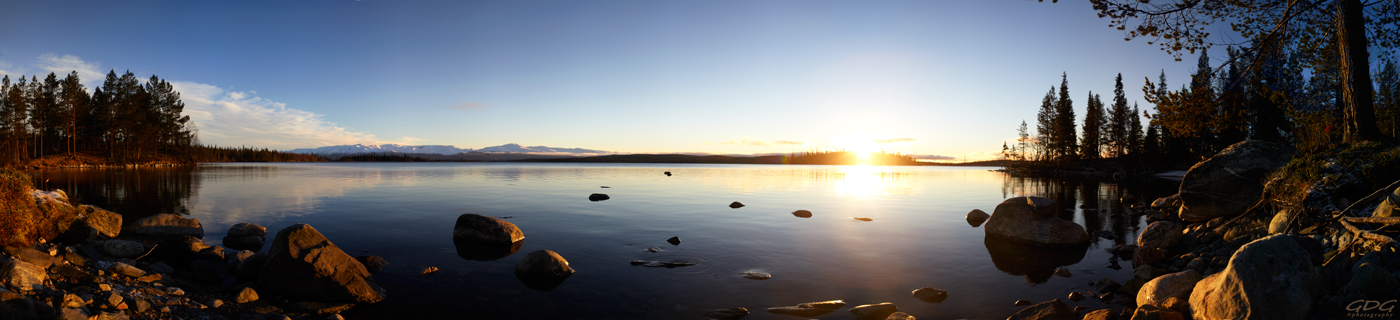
x: 475, y: 228
x: 1160, y: 234
x: 1269, y: 278
x: 1230, y: 182
x: 302, y: 265
x: 1032, y: 220
x: 246, y: 236
x: 1157, y: 291
x: 94, y: 222
x: 543, y: 270
x: 166, y: 225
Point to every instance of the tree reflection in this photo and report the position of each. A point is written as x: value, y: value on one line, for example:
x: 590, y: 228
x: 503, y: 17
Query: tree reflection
x: 134, y: 193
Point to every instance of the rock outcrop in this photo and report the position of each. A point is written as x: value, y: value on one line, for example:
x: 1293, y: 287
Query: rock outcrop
x: 1231, y: 181
x: 302, y: 265
x: 1032, y: 220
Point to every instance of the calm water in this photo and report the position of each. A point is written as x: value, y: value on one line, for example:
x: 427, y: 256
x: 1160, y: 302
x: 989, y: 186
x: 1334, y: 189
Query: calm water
x: 405, y: 213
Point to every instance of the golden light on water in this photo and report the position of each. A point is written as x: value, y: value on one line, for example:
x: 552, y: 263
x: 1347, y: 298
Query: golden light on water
x: 869, y: 181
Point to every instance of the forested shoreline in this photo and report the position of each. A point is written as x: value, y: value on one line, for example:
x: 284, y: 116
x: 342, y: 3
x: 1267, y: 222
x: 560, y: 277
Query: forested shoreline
x: 1275, y: 96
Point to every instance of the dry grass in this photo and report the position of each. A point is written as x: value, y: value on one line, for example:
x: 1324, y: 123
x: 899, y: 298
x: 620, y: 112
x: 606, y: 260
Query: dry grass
x: 22, y: 220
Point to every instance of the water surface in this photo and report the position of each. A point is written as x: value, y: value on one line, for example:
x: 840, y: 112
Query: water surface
x: 404, y: 212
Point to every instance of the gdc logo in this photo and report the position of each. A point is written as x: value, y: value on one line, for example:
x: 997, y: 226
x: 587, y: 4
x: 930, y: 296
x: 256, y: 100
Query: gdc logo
x: 1370, y: 309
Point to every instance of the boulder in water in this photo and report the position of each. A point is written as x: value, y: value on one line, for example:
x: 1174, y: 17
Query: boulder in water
x: 475, y: 228
x: 543, y: 270
x: 1031, y: 220
x: 302, y: 265
x: 976, y: 217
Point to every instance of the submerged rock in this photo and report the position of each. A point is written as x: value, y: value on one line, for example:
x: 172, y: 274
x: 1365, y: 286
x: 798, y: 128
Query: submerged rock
x: 727, y: 314
x: 1049, y: 310
x: 166, y: 225
x: 930, y: 294
x: 664, y: 264
x: 863, y: 218
x: 809, y: 309
x: 373, y: 264
x: 475, y: 228
x: 976, y: 217
x: 755, y: 275
x: 735, y: 205
x: 543, y: 270
x: 302, y: 265
x: 1031, y: 220
x: 1231, y: 181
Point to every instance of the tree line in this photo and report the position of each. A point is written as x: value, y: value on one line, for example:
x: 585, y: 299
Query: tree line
x: 1266, y: 93
x: 124, y: 119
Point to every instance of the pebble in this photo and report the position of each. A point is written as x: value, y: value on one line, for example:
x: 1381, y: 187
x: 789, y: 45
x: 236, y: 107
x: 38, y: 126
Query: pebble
x: 1022, y: 303
x: 863, y: 219
x: 430, y: 271
x: 174, y: 291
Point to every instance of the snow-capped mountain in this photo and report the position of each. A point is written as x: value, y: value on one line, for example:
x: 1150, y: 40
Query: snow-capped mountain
x: 443, y: 150
x: 517, y: 148
x: 370, y: 148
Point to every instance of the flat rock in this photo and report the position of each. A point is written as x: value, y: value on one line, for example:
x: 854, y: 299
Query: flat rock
x: 123, y: 248
x: 930, y: 294
x: 809, y: 309
x: 802, y: 214
x: 166, y: 225
x: 727, y: 314
x: 878, y: 311
x: 664, y: 264
x: 32, y: 256
x: 126, y: 270
x: 22, y: 275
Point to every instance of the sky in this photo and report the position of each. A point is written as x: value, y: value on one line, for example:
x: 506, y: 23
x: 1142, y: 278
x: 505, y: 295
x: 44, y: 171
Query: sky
x: 945, y: 79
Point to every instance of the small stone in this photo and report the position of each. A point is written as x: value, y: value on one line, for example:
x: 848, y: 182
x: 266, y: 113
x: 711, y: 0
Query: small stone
x: 802, y: 214
x: 1022, y: 303
x: 1063, y: 272
x: 247, y: 295
x: 165, y: 309
x: 598, y: 197
x: 1076, y: 296
x: 104, y: 287
x: 874, y: 311
x: 651, y: 249
x: 863, y: 218
x: 930, y: 294
x: 174, y: 291
x: 216, y: 303
x: 735, y: 205
x: 112, y: 299
x: 755, y: 275
x: 675, y: 241
x: 727, y: 314
x: 430, y: 271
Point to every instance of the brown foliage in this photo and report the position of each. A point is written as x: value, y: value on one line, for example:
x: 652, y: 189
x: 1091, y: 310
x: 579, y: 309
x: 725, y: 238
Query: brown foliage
x: 22, y: 220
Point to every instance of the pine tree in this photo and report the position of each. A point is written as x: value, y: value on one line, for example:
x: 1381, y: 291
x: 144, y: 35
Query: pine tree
x: 1135, y: 131
x: 1388, y: 98
x: 1090, y: 145
x: 1045, y: 126
x: 1117, y: 131
x: 1023, y: 137
x: 75, y: 102
x: 1230, y: 122
x: 1064, y: 121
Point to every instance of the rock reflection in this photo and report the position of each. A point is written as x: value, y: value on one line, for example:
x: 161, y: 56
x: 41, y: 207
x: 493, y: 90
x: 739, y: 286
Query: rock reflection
x: 541, y: 284
x: 1037, y: 263
x: 485, y: 252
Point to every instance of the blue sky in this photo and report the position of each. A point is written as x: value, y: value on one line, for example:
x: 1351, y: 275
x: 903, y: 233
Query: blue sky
x: 948, y: 78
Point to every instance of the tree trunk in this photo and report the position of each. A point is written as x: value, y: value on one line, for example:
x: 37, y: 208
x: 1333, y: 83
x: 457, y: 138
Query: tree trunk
x: 1359, y: 117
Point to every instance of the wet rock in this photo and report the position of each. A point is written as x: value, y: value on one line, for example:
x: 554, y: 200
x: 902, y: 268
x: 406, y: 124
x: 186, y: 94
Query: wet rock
x: 727, y: 314
x: 809, y: 309
x: 543, y: 270
x: 1175, y: 285
x: 1049, y: 310
x: 976, y: 217
x: 373, y: 264
x: 166, y: 225
x: 1160, y: 234
x: 246, y: 295
x: 877, y: 311
x: 302, y: 265
x: 1023, y: 219
x: 1371, y: 280
x: 123, y: 248
x: 1063, y: 272
x: 675, y: 241
x: 598, y: 197
x: 668, y: 173
x: 1106, y: 285
x: 735, y: 205
x: 1076, y: 296
x: 1268, y: 278
x: 652, y: 249
x: 475, y: 228
x: 246, y: 236
x: 755, y: 275
x: 22, y: 275
x: 930, y: 295
x: 802, y: 214
x: 664, y: 264
x: 1231, y: 181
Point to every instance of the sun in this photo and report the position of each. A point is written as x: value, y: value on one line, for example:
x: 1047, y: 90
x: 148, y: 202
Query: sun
x: 862, y: 147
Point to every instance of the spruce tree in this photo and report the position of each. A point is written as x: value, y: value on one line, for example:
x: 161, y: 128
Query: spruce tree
x: 1135, y: 131
x: 1064, y: 121
x: 1117, y: 131
x: 1388, y: 98
x: 1090, y: 144
x: 1045, y: 126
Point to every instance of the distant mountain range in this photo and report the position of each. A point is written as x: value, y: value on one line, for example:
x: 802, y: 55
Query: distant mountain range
x: 444, y: 150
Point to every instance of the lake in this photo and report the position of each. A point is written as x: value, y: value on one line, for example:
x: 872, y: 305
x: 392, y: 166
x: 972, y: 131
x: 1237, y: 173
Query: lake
x: 404, y: 212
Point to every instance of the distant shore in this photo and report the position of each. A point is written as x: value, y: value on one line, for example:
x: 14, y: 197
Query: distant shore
x: 721, y: 159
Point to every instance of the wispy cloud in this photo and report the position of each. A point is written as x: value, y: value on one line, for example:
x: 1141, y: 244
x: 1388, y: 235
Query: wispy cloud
x: 749, y: 141
x: 895, y: 140
x: 933, y: 157
x: 231, y: 118
x: 469, y: 105
x: 90, y: 72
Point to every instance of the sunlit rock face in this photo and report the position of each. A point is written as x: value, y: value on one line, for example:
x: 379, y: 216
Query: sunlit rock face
x: 1032, y: 220
x: 302, y: 265
x: 1231, y: 181
x: 1268, y: 278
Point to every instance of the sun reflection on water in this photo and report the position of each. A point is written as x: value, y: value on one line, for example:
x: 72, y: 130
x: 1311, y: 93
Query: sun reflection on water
x: 870, y: 181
